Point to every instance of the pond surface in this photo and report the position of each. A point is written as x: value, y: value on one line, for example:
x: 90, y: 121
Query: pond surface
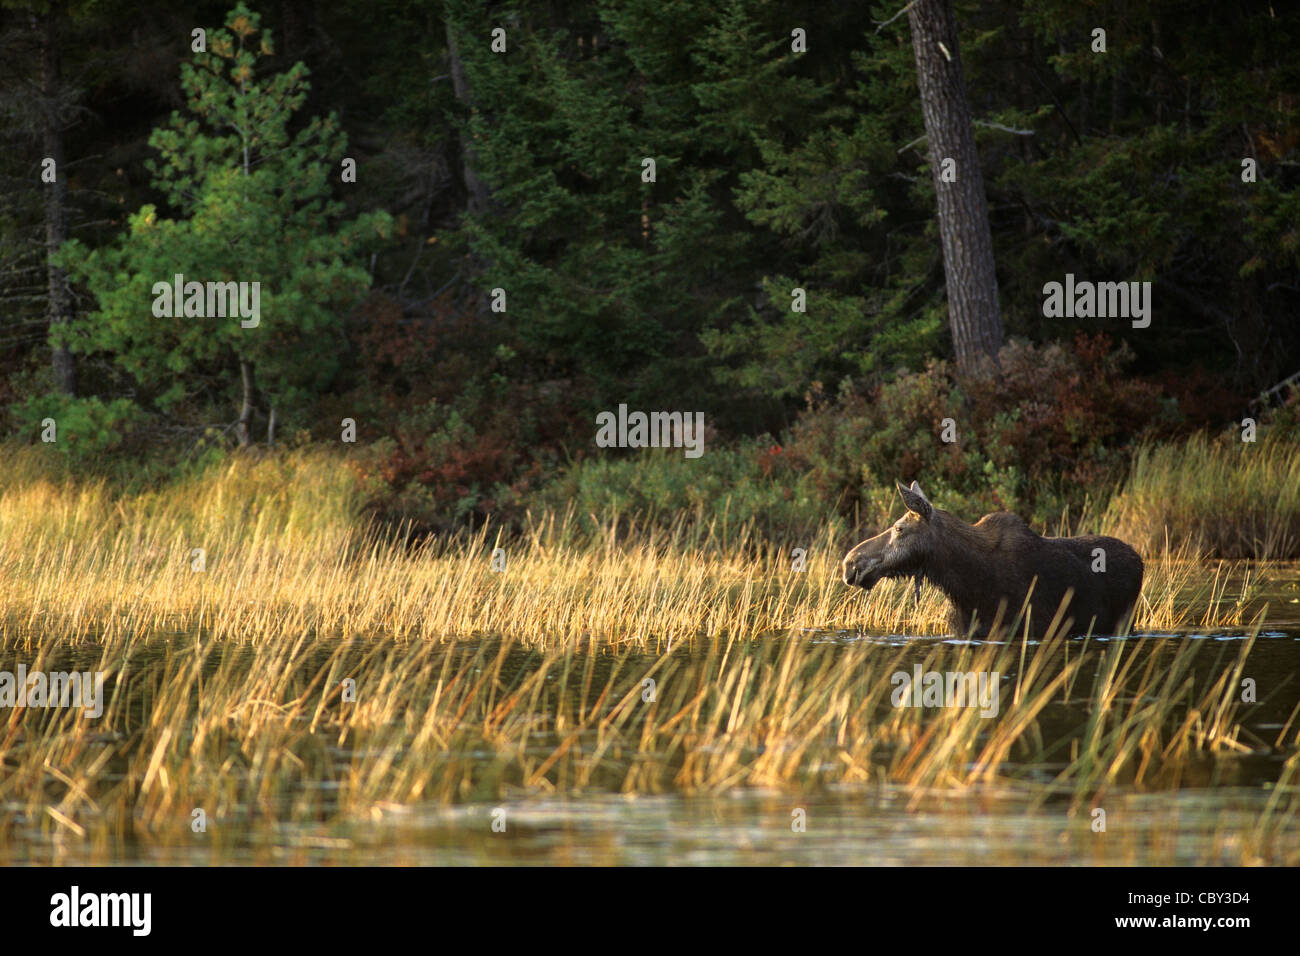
x: 854, y: 827
x: 1211, y: 815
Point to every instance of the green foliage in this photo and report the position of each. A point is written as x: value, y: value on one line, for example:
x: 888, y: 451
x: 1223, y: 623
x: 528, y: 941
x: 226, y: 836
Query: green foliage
x: 642, y: 287
x: 254, y: 204
x: 735, y: 485
x: 85, y: 428
x: 828, y: 187
x: 1056, y: 428
x: 1053, y: 428
x: 1135, y: 172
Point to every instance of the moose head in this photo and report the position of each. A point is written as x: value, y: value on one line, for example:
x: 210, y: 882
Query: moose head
x: 901, y: 550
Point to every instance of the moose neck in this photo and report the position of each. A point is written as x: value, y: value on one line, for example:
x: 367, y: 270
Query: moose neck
x: 959, y: 563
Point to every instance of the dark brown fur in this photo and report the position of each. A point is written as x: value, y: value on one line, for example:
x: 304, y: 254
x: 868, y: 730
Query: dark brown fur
x: 986, y: 569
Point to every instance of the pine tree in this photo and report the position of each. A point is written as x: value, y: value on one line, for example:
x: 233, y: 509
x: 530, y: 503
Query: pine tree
x: 254, y: 206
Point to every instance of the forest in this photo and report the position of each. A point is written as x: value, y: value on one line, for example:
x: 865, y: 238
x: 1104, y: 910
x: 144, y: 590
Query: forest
x: 475, y: 227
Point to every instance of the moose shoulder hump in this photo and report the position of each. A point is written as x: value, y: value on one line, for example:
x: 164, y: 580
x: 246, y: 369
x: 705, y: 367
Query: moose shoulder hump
x: 1002, y: 529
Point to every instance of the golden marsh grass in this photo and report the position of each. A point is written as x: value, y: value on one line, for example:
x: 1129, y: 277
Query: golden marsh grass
x: 226, y: 686
x: 1225, y: 496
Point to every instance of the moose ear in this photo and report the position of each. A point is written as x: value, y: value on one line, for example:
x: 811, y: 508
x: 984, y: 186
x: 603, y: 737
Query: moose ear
x: 916, y: 501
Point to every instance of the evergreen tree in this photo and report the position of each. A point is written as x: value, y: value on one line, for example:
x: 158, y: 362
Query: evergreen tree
x: 255, y: 206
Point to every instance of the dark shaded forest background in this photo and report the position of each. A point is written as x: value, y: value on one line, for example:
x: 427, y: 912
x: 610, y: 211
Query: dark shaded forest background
x: 775, y: 170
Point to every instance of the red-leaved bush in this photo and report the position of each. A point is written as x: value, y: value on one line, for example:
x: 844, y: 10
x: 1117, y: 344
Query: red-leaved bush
x: 1049, y: 427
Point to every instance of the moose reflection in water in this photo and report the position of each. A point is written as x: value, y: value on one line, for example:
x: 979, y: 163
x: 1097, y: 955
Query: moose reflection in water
x: 990, y: 569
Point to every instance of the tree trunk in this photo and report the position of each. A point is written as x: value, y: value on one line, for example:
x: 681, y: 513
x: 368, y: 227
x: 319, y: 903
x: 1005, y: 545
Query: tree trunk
x: 479, y: 195
x: 244, y: 430
x: 59, y: 300
x: 963, y: 212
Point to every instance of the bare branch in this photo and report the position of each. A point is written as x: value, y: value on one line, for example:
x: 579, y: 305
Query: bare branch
x: 881, y: 25
x: 1005, y: 129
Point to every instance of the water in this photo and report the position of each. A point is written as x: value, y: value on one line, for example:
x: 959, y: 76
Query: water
x: 849, y: 827
x: 1216, y: 810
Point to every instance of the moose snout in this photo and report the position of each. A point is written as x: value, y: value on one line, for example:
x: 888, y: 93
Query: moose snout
x: 858, y: 568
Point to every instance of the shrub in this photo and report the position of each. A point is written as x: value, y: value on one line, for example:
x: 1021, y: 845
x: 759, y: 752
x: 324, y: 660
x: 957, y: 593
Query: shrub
x: 1053, y: 427
x: 83, y: 427
x: 457, y: 462
x: 737, y: 485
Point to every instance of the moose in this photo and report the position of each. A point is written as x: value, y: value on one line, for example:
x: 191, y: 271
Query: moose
x: 999, y: 571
